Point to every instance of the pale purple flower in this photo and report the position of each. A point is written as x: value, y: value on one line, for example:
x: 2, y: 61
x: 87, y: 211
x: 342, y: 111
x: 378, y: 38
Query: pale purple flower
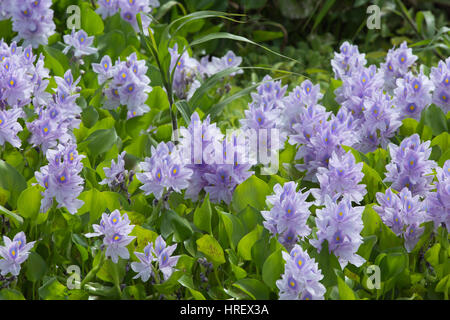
x: 347, y: 61
x: 116, y: 229
x: 301, y: 277
x: 61, y: 178
x: 403, y: 213
x: 80, y: 42
x: 340, y: 224
x: 46, y: 131
x: 14, y: 253
x: 441, y: 80
x: 128, y: 86
x: 116, y: 174
x: 10, y: 127
x: 156, y: 256
x: 412, y: 95
x: 187, y: 69
x: 319, y: 138
x: 397, y: 64
x: 341, y: 179
x: 437, y: 204
x: 288, y: 214
x: 410, y: 166
x: 32, y: 20
x: 229, y: 60
x: 380, y: 122
x: 164, y: 170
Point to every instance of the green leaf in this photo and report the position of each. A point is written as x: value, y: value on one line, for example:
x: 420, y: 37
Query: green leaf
x: 328, y: 263
x: 254, y: 288
x: 245, y: 245
x: 178, y: 224
x: 98, y: 142
x: 253, y: 192
x: 211, y: 249
x: 345, y: 292
x: 432, y: 255
x: 187, y: 282
x: 29, y: 203
x: 11, y: 294
x: 53, y: 290
x: 272, y: 269
x: 35, y: 267
x: 435, y: 118
x: 233, y: 227
x: 202, y: 216
x: 11, y: 215
x: 325, y: 8
x: 184, y: 109
x: 91, y: 22
x: 13, y: 181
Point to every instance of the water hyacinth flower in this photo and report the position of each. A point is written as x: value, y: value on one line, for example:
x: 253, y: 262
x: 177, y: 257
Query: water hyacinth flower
x: 340, y: 224
x: 61, y: 178
x: 129, y: 84
x: 187, y: 69
x: 318, y: 141
x: 358, y: 88
x: 14, y: 253
x: 440, y: 77
x: 341, y: 179
x: 288, y: 214
x: 80, y: 42
x: 437, y: 204
x: 116, y: 229
x: 116, y: 174
x: 347, y: 61
x: 403, y: 213
x: 412, y: 95
x: 164, y: 171
x: 128, y: 11
x: 47, y: 131
x: 297, y: 103
x: 301, y: 277
x: 229, y: 60
x: 379, y: 123
x: 397, y: 64
x: 218, y: 164
x: 156, y: 256
x: 410, y: 166
x: 32, y: 20
x: 9, y: 127
x: 22, y: 77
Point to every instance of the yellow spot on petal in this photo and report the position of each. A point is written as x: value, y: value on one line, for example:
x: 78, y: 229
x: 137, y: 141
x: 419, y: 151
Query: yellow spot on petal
x: 63, y: 178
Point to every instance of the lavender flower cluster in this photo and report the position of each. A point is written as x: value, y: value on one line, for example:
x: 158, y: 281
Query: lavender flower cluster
x: 164, y: 171
x: 188, y: 72
x: 116, y: 229
x: 61, y: 178
x: 156, y: 256
x: 288, y: 214
x: 57, y: 116
x: 437, y: 204
x: 14, y: 252
x: 218, y: 164
x: 127, y: 84
x: 32, y: 20
x: 128, y: 10
x: 301, y: 277
x: 410, y: 166
x: 403, y: 213
x: 440, y: 77
x: 340, y: 224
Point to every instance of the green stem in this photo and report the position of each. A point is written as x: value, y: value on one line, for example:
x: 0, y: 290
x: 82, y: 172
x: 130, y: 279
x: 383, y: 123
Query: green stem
x: 93, y: 271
